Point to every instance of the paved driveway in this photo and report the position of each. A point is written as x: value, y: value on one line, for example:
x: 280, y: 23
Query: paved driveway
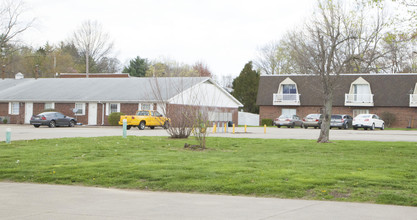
x: 26, y: 132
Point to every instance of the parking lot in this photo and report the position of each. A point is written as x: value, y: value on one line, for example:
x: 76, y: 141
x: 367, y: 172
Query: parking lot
x: 27, y: 132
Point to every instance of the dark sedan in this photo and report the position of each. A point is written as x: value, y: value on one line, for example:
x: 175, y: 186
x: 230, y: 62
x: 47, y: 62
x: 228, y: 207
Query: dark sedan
x: 52, y: 119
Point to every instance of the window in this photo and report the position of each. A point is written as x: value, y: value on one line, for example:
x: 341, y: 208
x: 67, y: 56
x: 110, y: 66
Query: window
x: 145, y: 106
x: 112, y: 107
x: 289, y: 111
x: 360, y: 111
x: 14, y: 108
x: 49, y: 105
x: 80, y: 108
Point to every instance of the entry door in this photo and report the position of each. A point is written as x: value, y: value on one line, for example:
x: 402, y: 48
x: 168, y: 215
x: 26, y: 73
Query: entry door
x: 28, y: 111
x: 92, y: 113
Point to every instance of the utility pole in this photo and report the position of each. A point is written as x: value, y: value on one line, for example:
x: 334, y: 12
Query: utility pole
x: 86, y: 62
x: 3, y: 69
x: 36, y: 71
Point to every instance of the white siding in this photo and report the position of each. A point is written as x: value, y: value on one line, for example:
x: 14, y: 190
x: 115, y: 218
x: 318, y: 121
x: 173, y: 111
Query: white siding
x: 205, y: 94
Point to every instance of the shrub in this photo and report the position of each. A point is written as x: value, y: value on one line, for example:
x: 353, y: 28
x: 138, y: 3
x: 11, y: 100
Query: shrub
x: 388, y: 118
x: 114, y: 118
x: 5, y: 121
x: 267, y: 122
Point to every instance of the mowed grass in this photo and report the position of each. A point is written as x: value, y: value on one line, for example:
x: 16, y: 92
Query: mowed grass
x: 374, y: 172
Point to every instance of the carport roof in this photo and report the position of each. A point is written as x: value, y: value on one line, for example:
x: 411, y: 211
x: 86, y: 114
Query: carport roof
x: 96, y: 89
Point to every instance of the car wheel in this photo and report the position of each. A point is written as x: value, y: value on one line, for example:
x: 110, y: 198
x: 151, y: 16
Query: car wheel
x: 382, y: 127
x: 36, y: 126
x: 141, y: 125
x: 278, y: 126
x: 166, y: 125
x: 365, y: 128
x: 305, y: 127
x: 293, y: 125
x: 71, y: 123
x: 52, y: 124
x: 315, y: 127
x: 152, y: 127
x: 355, y: 128
x: 346, y: 126
x: 128, y: 127
x: 340, y: 128
x: 373, y: 127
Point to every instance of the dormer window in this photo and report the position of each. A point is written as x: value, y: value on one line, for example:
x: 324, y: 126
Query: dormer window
x: 359, y: 94
x: 287, y: 93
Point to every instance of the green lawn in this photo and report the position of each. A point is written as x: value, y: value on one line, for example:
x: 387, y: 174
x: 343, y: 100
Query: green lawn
x: 375, y: 172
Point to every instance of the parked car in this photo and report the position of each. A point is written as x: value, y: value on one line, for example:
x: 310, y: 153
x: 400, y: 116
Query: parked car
x: 366, y: 121
x: 311, y: 120
x: 341, y: 121
x: 52, y: 119
x: 288, y: 120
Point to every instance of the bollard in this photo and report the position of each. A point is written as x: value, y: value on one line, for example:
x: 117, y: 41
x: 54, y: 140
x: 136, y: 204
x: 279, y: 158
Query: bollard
x: 233, y: 128
x: 264, y: 128
x: 124, y: 128
x: 245, y: 128
x: 225, y: 128
x: 8, y: 135
x: 214, y: 128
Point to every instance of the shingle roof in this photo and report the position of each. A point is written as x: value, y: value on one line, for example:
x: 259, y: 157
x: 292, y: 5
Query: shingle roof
x: 95, y: 89
x: 390, y: 90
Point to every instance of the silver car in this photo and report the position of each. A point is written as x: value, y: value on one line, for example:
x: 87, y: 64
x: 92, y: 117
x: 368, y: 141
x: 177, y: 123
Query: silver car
x: 288, y: 120
x: 311, y: 120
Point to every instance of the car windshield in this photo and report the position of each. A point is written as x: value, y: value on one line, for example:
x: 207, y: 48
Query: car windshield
x: 284, y: 116
x: 364, y: 116
x: 336, y: 117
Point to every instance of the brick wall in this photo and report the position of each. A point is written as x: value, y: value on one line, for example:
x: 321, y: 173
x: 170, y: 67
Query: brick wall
x: 405, y: 116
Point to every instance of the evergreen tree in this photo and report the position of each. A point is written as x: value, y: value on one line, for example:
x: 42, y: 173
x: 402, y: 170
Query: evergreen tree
x: 245, y: 88
x: 137, y: 67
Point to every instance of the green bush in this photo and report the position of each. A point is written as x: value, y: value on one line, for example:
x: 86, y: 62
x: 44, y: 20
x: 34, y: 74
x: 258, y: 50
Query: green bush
x: 388, y: 118
x: 267, y: 122
x: 114, y: 118
x: 5, y: 121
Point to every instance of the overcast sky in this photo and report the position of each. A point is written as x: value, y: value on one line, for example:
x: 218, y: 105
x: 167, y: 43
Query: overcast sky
x: 225, y: 34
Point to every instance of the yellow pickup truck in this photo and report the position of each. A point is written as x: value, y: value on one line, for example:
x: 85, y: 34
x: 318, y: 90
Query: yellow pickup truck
x: 145, y: 118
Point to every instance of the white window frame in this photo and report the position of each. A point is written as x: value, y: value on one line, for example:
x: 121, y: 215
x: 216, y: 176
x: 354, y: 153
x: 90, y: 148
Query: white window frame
x: 108, y: 107
x: 11, y: 105
x: 82, y: 108
x: 140, y: 107
x: 356, y: 112
x: 52, y: 105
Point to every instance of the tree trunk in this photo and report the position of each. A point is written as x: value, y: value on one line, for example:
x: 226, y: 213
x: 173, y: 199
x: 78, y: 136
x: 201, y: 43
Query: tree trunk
x: 327, y: 113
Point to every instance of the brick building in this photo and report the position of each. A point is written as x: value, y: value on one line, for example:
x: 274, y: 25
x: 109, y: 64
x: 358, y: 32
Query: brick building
x: 354, y: 94
x: 91, y: 100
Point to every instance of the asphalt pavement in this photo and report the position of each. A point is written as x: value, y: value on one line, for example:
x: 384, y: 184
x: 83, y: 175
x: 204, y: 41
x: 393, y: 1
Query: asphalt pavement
x: 36, y: 201
x: 27, y: 132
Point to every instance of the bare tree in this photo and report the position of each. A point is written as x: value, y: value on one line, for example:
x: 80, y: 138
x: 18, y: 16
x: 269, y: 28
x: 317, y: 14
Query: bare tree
x: 202, y: 69
x: 326, y: 46
x: 189, y: 108
x: 11, y: 24
x: 92, y: 41
x: 275, y: 58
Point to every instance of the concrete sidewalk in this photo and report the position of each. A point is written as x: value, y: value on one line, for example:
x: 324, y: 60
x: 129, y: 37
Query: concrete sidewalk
x: 36, y: 201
